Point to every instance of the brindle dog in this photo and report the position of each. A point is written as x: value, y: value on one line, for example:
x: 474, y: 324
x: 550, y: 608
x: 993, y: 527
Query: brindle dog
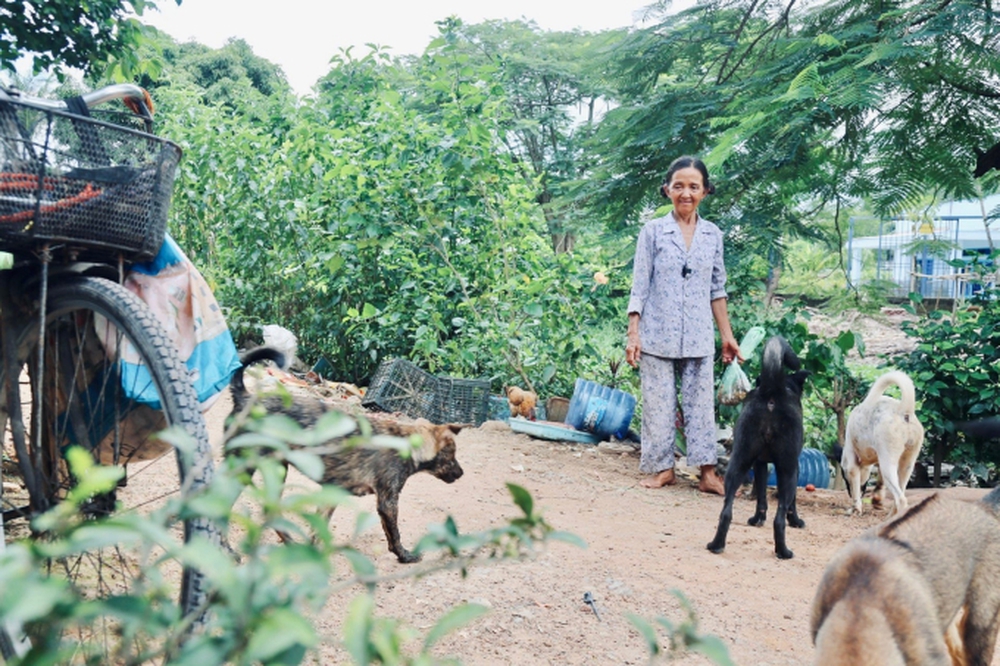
x: 364, y: 470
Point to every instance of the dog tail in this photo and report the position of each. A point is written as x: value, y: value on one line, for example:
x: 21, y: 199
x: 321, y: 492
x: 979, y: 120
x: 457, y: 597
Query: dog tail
x: 907, y: 394
x: 778, y: 355
x: 236, y: 386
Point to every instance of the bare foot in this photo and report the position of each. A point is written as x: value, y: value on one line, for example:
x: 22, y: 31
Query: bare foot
x: 664, y: 478
x: 710, y: 481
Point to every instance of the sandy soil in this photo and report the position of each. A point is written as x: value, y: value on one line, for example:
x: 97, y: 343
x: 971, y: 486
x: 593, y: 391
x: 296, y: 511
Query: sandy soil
x: 641, y: 545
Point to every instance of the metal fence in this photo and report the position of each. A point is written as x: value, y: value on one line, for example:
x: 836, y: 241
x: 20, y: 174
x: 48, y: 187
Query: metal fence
x: 935, y: 258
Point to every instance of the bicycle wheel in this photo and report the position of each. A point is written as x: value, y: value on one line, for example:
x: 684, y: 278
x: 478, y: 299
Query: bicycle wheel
x: 110, y: 380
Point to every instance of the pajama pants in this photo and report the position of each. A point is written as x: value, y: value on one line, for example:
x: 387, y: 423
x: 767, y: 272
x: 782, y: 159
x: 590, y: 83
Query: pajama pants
x: 659, y: 409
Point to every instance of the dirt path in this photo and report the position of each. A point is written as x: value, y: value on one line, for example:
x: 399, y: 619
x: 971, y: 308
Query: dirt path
x: 641, y: 545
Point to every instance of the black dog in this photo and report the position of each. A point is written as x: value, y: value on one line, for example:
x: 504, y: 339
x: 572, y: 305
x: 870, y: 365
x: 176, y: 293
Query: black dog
x: 768, y: 430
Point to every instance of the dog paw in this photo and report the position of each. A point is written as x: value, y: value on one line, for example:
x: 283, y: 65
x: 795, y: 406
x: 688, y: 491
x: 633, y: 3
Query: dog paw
x: 406, y: 557
x: 757, y: 519
x: 784, y: 553
x: 716, y: 547
x: 796, y: 522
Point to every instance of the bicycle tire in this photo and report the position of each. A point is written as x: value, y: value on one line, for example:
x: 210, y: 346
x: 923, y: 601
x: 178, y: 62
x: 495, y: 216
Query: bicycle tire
x: 76, y: 309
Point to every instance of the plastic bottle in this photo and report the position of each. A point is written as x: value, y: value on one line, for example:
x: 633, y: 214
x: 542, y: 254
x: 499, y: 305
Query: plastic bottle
x: 814, y: 468
x: 601, y: 410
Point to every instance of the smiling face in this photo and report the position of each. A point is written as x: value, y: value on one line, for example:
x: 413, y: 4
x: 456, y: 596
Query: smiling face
x: 686, y: 189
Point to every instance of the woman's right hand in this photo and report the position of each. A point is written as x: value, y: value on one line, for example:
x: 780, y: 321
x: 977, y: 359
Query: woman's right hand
x: 633, y: 349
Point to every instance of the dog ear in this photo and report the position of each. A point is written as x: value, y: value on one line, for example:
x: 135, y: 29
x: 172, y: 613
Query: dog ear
x: 443, y: 435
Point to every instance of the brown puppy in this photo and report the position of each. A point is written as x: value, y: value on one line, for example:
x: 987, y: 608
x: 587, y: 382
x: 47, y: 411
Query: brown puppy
x: 918, y: 590
x: 364, y: 470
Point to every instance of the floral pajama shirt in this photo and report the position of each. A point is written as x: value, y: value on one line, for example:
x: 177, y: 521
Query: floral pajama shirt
x: 673, y: 287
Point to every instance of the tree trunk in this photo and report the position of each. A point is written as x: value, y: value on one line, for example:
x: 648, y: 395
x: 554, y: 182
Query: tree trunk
x: 563, y: 242
x: 840, y: 411
x: 938, y: 459
x: 772, y: 283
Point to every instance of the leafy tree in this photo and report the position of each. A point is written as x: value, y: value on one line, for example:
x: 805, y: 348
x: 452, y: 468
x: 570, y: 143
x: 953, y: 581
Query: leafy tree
x: 385, y: 220
x: 554, y: 88
x: 66, y: 33
x: 799, y: 110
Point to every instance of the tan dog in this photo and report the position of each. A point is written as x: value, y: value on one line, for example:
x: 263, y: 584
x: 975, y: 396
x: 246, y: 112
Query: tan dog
x: 920, y: 590
x: 364, y: 470
x: 886, y: 431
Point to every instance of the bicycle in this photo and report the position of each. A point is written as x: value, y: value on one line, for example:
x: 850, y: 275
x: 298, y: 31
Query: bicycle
x: 84, y: 361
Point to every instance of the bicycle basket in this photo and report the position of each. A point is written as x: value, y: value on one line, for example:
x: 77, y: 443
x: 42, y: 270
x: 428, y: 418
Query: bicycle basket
x: 87, y: 186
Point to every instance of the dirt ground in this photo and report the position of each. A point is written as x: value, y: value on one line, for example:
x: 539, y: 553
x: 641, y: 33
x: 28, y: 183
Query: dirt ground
x: 641, y: 545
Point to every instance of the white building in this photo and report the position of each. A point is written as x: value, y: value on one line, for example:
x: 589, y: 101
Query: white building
x: 915, y: 255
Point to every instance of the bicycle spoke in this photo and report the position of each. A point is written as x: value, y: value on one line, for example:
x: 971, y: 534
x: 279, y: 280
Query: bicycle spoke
x: 105, y: 357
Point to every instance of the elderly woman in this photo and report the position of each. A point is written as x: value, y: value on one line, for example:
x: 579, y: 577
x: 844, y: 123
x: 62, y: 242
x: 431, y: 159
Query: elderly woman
x: 678, y: 286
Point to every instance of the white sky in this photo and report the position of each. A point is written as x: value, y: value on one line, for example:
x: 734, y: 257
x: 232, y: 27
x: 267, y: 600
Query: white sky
x: 302, y: 35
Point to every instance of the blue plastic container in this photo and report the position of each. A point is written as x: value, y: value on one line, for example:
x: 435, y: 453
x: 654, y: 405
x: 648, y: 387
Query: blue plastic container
x: 601, y: 410
x: 814, y: 468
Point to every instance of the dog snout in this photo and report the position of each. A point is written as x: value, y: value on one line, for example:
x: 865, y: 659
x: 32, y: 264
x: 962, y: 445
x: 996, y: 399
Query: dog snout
x: 451, y: 473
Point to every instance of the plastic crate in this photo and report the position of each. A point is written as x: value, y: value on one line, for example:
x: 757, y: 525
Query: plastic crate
x: 89, y: 188
x: 462, y: 401
x: 400, y: 386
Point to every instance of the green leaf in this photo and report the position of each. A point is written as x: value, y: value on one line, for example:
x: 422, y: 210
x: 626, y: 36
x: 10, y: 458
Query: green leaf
x: 368, y: 311
x: 533, y: 309
x: 453, y: 619
x: 44, y: 596
x: 358, y: 627
x: 522, y: 498
x: 362, y: 566
x: 255, y: 439
x: 713, y: 648
x: 845, y: 341
x: 365, y: 521
x: 566, y: 537
x: 647, y: 631
x: 309, y: 464
x: 334, y: 263
x: 101, y: 535
x: 218, y: 567
x: 278, y: 630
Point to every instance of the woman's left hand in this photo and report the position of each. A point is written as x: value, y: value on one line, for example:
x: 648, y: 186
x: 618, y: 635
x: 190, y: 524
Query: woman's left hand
x: 731, y: 350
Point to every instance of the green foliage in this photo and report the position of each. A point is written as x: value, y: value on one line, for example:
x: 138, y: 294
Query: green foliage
x: 683, y: 637
x: 58, y: 34
x: 956, y: 370
x: 262, y: 596
x: 801, y: 112
x: 385, y: 221
x: 553, y: 87
x: 814, y: 272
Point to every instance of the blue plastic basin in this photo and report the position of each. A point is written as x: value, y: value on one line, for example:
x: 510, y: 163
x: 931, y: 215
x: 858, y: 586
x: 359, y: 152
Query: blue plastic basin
x: 599, y: 409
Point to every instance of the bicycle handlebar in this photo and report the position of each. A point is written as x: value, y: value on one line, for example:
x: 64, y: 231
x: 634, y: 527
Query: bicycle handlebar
x: 135, y: 97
